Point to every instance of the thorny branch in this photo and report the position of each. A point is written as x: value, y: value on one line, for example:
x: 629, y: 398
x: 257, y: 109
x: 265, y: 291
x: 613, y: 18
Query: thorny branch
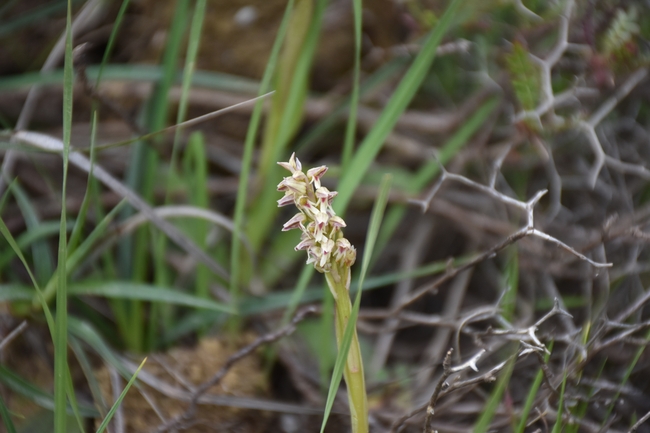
x: 528, y: 229
x: 446, y: 372
x: 447, y: 388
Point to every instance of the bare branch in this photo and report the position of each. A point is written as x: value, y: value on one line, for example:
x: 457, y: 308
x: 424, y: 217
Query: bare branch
x: 180, y: 420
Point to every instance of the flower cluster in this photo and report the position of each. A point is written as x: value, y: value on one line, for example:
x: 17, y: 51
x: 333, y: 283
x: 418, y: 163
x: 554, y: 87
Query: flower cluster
x: 322, y: 237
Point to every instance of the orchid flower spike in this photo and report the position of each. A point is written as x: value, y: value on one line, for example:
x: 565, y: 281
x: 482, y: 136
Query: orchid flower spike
x: 322, y: 236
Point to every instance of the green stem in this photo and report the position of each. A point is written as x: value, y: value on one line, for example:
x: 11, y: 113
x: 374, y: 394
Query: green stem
x: 353, y: 372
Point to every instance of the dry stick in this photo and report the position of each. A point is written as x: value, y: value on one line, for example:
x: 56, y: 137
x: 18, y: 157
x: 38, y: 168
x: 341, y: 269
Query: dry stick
x: 191, y: 122
x: 12, y: 335
x: 548, y: 100
x: 450, y: 308
x: 179, y: 420
x: 524, y: 335
x: 446, y: 372
x: 528, y: 229
x: 49, y: 143
x: 52, y: 144
x: 636, y: 425
x: 116, y: 386
x: 529, y: 334
x: 84, y: 19
x: 471, y: 363
x: 589, y: 126
x: 633, y: 308
x: 418, y: 241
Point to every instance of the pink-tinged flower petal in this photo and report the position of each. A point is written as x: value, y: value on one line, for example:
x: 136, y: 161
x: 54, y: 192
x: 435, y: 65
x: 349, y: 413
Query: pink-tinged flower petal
x: 322, y: 194
x: 345, y: 254
x: 327, y: 247
x: 331, y: 196
x: 287, y: 166
x: 293, y: 165
x: 286, y: 200
x: 320, y: 220
x: 325, y: 197
x: 313, y: 254
x: 282, y: 186
x: 307, y: 207
x: 337, y: 221
x: 295, y: 186
x: 342, y: 245
x: 295, y: 161
x: 305, y: 244
x: 294, y: 223
x: 350, y: 257
x: 314, y: 174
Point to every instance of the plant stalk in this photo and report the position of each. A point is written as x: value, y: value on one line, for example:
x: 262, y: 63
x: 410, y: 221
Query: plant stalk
x: 353, y: 372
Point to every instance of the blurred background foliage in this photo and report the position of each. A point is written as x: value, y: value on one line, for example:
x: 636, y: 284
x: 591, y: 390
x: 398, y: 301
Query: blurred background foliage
x: 518, y: 96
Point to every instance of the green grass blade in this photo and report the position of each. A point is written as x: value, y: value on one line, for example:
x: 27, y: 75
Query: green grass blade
x: 489, y: 409
x: 290, y: 81
x: 117, y: 403
x: 426, y: 174
x: 344, y: 347
x: 88, y: 370
x: 14, y: 246
x: 626, y: 376
x: 405, y: 91
x: 111, y: 40
x: 44, y: 230
x: 146, y: 292
x: 29, y: 18
x: 86, y: 333
x: 247, y: 158
x: 278, y: 136
x: 74, y: 405
x: 134, y: 258
x: 80, y: 253
x: 42, y: 257
x: 75, y: 237
x: 35, y: 394
x: 298, y: 293
x: 511, y: 283
x: 557, y: 427
x: 85, y: 247
x: 61, y: 333
x: 530, y: 399
x: 350, y: 131
x: 378, y: 78
x: 6, y: 417
x: 195, y: 173
x: 161, y: 315
x: 375, y: 223
x: 188, y: 72
x: 132, y: 73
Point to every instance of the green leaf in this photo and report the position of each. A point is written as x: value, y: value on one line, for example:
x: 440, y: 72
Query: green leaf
x: 43, y: 399
x: 490, y: 408
x: 61, y: 372
x: 6, y: 417
x: 532, y: 393
x: 146, y: 292
x: 403, y: 95
x: 117, y: 403
x: 247, y: 158
x: 344, y: 346
x: 525, y: 77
